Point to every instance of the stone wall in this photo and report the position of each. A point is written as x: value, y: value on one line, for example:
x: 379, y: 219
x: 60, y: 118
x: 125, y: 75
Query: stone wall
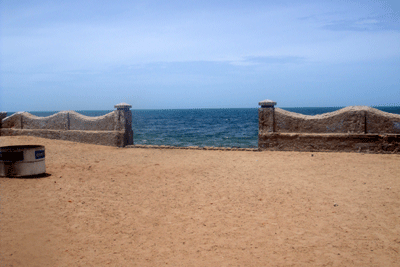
x: 107, y: 138
x: 2, y: 116
x: 365, y: 143
x: 356, y: 119
x: 347, y: 120
x: 114, y: 128
x: 25, y: 120
x: 355, y: 128
x: 108, y: 122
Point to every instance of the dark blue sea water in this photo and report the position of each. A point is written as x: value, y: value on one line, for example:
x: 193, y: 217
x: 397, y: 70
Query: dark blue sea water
x: 201, y: 127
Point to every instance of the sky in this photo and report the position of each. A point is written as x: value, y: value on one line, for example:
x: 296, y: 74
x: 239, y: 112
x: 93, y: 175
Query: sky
x: 91, y: 55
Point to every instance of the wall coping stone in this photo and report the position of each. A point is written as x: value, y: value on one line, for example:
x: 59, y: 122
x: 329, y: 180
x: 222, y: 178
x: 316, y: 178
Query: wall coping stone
x: 336, y: 112
x: 122, y: 105
x: 267, y: 103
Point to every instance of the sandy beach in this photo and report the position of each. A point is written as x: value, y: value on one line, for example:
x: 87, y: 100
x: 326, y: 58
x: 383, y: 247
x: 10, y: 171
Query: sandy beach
x: 108, y: 206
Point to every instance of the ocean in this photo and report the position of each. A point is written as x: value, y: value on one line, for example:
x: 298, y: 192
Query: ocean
x: 233, y: 127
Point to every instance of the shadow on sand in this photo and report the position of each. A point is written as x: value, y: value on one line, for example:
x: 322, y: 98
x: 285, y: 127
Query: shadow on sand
x: 37, y: 176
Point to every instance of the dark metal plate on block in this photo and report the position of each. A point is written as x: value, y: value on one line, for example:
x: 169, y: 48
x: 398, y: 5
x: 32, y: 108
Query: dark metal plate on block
x: 12, y: 156
x: 39, y: 154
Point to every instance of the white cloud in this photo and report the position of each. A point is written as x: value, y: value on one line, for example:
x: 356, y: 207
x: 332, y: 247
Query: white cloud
x: 367, y: 21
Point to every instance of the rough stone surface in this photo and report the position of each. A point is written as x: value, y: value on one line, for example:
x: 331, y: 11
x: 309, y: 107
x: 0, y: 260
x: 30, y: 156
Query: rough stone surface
x: 355, y: 128
x: 125, y: 124
x: 13, y: 121
x: 70, y: 120
x: 368, y: 143
x: 355, y: 119
x: 70, y: 125
x: 108, y: 138
x: 108, y: 122
x: 346, y: 120
x: 2, y: 116
x: 266, y: 120
x: 58, y: 121
x: 378, y: 121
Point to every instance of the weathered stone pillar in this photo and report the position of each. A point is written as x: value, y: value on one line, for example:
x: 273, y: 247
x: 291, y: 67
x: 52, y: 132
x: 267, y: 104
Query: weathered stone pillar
x: 266, y: 117
x: 125, y: 122
x: 2, y: 116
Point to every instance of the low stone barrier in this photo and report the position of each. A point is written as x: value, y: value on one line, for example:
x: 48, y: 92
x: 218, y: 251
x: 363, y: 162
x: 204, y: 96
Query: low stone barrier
x: 356, y: 128
x: 2, y: 116
x: 113, y: 129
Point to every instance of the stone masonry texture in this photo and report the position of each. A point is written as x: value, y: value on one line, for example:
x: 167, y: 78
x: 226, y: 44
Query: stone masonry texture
x: 113, y: 129
x: 355, y: 128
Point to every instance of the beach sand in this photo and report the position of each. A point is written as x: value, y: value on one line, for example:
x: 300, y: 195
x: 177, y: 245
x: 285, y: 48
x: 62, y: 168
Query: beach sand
x: 108, y: 206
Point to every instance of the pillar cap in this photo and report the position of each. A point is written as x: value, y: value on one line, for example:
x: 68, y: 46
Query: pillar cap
x: 267, y: 103
x: 122, y: 106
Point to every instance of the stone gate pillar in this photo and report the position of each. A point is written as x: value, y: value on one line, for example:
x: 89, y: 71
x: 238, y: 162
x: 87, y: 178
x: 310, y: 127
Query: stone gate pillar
x: 266, y: 117
x: 125, y: 123
x: 3, y: 114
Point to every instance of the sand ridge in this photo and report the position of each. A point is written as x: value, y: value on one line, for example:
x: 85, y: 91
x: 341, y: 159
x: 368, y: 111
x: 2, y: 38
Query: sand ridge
x: 107, y: 206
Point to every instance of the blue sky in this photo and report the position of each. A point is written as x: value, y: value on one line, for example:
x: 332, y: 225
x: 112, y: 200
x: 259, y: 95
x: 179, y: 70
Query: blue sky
x: 91, y: 55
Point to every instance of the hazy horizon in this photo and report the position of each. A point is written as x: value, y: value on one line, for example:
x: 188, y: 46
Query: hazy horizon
x: 169, y: 109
